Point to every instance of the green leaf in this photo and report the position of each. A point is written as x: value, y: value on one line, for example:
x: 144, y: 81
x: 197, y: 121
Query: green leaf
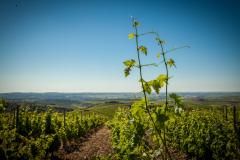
x: 129, y: 65
x: 165, y: 78
x: 162, y: 118
x: 160, y: 77
x: 147, y: 87
x: 156, y: 85
x: 3, y: 101
x: 144, y: 102
x: 137, y: 108
x: 160, y: 80
x: 143, y: 50
x: 127, y: 71
x: 159, y: 54
x: 154, y: 116
x: 172, y: 119
x: 178, y: 103
x: 159, y: 115
x: 171, y: 62
x: 142, y: 80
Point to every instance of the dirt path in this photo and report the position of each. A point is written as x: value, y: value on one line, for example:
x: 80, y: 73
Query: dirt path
x: 95, y: 142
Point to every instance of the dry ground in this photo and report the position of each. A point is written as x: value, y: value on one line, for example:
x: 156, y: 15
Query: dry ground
x: 97, y: 142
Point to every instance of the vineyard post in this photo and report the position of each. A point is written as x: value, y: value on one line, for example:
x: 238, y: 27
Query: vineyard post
x: 73, y: 115
x: 89, y: 114
x: 223, y: 111
x: 64, y: 117
x: 226, y: 112
x: 14, y: 114
x: 234, y: 118
x: 238, y: 115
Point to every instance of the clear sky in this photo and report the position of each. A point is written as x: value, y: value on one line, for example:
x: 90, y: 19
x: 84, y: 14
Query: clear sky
x: 80, y: 46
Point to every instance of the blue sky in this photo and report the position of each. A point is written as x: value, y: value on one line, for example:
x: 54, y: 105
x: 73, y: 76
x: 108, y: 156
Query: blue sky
x: 80, y: 46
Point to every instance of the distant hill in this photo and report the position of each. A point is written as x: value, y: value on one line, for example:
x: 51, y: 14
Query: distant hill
x: 112, y: 96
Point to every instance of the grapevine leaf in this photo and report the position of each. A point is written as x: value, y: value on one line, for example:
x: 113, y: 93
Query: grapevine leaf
x: 160, y: 77
x: 158, y: 116
x: 162, y: 118
x: 160, y: 80
x: 178, y: 103
x: 154, y: 116
x: 147, y: 87
x: 127, y: 71
x: 159, y: 54
x: 143, y: 50
x: 131, y: 35
x: 142, y: 80
x: 134, y: 109
x: 156, y: 86
x: 144, y: 102
x: 172, y: 119
x: 2, y: 109
x: 2, y: 101
x: 165, y: 78
x: 129, y: 65
x: 171, y: 62
x: 137, y: 108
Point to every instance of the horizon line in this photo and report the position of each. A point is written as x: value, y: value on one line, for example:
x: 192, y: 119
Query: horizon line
x: 134, y: 92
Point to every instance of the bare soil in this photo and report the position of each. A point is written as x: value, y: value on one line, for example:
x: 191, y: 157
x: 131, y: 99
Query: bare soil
x: 97, y: 142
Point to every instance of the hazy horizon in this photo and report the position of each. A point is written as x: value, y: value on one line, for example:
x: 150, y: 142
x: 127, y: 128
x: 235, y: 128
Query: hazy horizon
x: 116, y: 92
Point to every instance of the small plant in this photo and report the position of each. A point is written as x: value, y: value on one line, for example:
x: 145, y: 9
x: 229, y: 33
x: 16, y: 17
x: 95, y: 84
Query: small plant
x: 159, y: 116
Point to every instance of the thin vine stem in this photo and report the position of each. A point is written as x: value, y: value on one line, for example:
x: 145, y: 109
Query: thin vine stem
x: 166, y: 99
x: 144, y: 92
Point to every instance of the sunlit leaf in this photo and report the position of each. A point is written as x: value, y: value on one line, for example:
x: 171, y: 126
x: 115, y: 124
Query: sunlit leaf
x: 144, y: 102
x: 127, y: 71
x: 171, y: 62
x: 143, y: 50
x: 130, y: 64
x: 178, y: 103
x: 160, y: 77
x: 142, y: 80
x: 165, y: 78
x: 137, y: 108
x: 156, y: 86
x: 131, y: 35
x: 147, y: 87
x: 159, y: 54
